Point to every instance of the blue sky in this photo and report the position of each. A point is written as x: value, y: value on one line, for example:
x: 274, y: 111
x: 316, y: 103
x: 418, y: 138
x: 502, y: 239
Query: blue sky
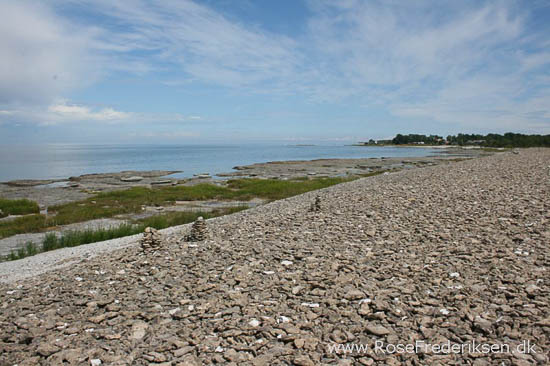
x: 109, y: 71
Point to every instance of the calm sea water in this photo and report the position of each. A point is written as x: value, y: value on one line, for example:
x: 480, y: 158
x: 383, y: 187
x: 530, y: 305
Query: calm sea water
x: 62, y: 161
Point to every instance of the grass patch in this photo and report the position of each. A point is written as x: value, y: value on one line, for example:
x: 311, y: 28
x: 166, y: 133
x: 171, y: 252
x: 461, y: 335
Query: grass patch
x: 17, y: 207
x: 109, y: 204
x: 179, y: 218
x: 21, y: 225
x: 127, y: 201
x: 75, y: 238
x: 274, y: 189
x: 28, y: 250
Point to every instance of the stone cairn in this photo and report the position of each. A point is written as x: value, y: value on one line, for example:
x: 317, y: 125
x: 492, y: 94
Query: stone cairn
x: 316, y: 206
x: 198, y: 230
x: 151, y: 239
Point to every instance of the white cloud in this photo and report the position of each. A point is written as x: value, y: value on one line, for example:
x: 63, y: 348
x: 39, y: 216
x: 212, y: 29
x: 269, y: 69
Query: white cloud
x: 41, y: 55
x: 172, y: 135
x: 195, y: 38
x: 452, y: 64
x: 468, y: 64
x: 64, y: 112
x: 83, y: 113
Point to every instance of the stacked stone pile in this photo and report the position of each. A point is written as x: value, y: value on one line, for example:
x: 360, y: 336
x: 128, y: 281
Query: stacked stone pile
x: 456, y: 253
x: 151, y: 239
x: 198, y: 230
x: 316, y: 205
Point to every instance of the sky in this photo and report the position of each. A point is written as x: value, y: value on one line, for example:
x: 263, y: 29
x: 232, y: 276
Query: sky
x: 176, y: 71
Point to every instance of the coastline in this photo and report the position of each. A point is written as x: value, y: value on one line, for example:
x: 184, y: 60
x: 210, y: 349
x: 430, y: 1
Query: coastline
x: 49, y: 192
x: 87, y: 186
x: 374, y: 260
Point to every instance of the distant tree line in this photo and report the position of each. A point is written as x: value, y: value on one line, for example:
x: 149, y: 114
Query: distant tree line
x: 418, y: 139
x: 490, y: 140
x: 495, y: 140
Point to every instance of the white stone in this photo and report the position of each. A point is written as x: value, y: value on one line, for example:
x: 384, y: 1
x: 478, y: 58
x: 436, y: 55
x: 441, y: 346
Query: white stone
x: 283, y: 319
x: 454, y: 274
x: 254, y: 323
x: 286, y: 263
x: 95, y: 362
x: 310, y: 304
x: 173, y: 311
x: 444, y: 311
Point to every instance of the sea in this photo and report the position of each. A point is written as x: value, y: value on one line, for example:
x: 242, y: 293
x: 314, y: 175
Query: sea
x: 58, y: 161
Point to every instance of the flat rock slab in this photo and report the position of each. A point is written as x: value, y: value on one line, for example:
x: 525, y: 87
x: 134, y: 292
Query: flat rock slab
x: 59, y: 191
x: 131, y: 179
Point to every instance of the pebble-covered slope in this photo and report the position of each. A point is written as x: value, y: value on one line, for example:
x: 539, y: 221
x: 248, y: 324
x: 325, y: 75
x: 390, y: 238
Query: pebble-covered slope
x: 448, y: 253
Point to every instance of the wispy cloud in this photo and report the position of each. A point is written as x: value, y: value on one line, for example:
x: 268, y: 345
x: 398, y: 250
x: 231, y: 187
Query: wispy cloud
x: 73, y: 112
x: 42, y: 55
x: 63, y: 112
x: 417, y: 60
x: 467, y: 64
x: 195, y: 38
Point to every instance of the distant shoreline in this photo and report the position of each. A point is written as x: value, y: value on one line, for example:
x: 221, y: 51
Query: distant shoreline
x: 114, y: 199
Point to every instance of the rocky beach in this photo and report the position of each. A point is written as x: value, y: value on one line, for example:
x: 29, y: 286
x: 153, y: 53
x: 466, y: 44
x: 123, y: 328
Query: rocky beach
x: 48, y: 193
x: 450, y: 253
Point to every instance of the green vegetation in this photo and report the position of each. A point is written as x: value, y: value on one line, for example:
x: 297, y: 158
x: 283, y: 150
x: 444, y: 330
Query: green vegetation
x: 492, y: 140
x: 179, y: 218
x: 27, y: 251
x: 130, y: 200
x: 75, y: 238
x: 274, y: 189
x: 109, y: 204
x: 400, y: 139
x: 78, y: 237
x: 17, y: 207
x: 21, y: 225
x: 507, y: 140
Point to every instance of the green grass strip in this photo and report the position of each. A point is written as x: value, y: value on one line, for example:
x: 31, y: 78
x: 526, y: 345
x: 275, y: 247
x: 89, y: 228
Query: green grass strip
x: 17, y: 207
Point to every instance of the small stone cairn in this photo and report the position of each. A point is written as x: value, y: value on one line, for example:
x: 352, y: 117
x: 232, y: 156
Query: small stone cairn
x: 151, y: 239
x: 198, y: 230
x: 316, y: 206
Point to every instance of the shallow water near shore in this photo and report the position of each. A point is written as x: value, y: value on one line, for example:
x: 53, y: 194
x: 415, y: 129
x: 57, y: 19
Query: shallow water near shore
x: 56, y: 161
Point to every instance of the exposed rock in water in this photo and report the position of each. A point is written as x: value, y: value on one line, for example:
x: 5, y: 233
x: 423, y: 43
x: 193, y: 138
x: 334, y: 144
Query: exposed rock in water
x: 131, y: 179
